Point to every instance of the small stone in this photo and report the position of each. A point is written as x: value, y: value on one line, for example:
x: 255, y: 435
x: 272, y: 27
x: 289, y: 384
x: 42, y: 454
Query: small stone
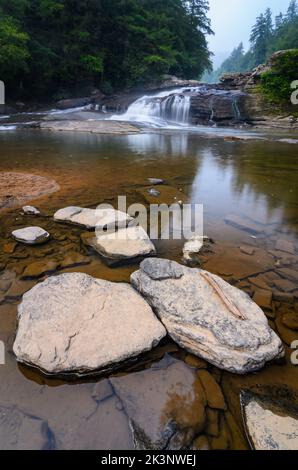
x: 155, y: 181
x: 284, y: 297
x: 39, y: 268
x: 259, y: 282
x: 102, y: 390
x: 247, y: 250
x: 31, y: 235
x: 289, y: 274
x: 286, y: 246
x: 17, y: 290
x: 153, y: 192
x: 215, y: 398
x: 74, y: 260
x: 30, y: 210
x: 290, y: 320
x: 263, y: 298
x: 9, y: 248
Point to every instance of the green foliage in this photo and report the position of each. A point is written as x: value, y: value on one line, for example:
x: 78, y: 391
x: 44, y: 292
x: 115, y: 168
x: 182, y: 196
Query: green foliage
x: 266, y: 38
x: 276, y: 84
x: 69, y: 44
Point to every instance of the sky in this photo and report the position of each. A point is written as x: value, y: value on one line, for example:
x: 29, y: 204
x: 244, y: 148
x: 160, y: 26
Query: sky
x: 232, y: 21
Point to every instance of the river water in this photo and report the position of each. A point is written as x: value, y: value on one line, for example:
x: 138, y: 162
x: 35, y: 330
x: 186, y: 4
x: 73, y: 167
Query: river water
x: 254, y: 179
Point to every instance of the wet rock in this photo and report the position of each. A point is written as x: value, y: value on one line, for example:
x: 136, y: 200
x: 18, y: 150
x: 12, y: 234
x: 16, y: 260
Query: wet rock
x: 9, y: 248
x: 93, y: 218
x: 201, y: 443
x: 269, y: 426
x: 39, y: 269
x: 73, y: 260
x: 196, y: 362
x: 161, y: 402
x: 102, y: 390
x: 98, y: 325
x: 290, y: 320
x: 198, y: 310
x: 30, y: 210
x: 263, y: 298
x: 17, y: 290
x: 73, y: 103
x: 31, y: 235
x: 289, y: 274
x: 284, y: 285
x: 92, y: 127
x: 286, y: 246
x: 192, y: 247
x: 167, y: 195
x: 284, y: 297
x: 212, y: 428
x: 222, y: 441
x: 126, y: 244
x: 287, y: 335
x: 215, y: 398
x: 244, y: 223
x: 6, y: 279
x: 156, y: 181
x: 22, y: 431
x: 259, y: 282
x: 247, y: 250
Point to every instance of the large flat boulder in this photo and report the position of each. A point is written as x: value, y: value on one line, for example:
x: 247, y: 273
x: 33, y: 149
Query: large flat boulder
x: 92, y: 218
x: 76, y: 324
x: 126, y: 244
x: 207, y: 316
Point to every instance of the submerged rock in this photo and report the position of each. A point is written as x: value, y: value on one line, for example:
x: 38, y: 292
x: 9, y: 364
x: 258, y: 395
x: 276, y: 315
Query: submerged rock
x: 126, y: 244
x: 22, y: 431
x: 156, y: 181
x: 76, y: 324
x: 31, y: 235
x: 268, y: 424
x: 162, y: 404
x: 207, y: 316
x: 92, y: 218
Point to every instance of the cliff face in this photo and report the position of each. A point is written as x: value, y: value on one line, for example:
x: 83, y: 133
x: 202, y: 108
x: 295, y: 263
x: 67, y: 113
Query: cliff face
x: 257, y: 108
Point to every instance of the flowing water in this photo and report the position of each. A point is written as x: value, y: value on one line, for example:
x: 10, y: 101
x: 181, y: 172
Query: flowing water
x: 254, y: 179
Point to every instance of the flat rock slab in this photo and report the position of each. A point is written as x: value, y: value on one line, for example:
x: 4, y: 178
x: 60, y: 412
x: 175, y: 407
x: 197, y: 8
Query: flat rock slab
x: 162, y: 402
x: 76, y: 324
x: 244, y: 223
x: 17, y: 188
x: 22, y: 431
x: 125, y: 244
x: 268, y: 425
x: 93, y: 218
x: 31, y: 235
x: 30, y: 210
x: 94, y: 127
x: 207, y: 316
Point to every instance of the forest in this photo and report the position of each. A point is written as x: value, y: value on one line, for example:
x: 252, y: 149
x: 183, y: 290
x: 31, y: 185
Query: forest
x: 268, y: 35
x: 55, y: 47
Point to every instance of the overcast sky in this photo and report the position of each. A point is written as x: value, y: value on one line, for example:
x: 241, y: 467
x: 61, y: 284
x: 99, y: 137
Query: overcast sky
x: 232, y: 21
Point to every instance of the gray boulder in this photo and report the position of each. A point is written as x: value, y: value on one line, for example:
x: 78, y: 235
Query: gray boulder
x: 76, y: 324
x: 207, y: 316
x: 31, y: 235
x: 92, y: 218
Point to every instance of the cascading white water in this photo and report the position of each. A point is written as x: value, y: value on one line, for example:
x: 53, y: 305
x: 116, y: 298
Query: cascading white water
x: 171, y: 106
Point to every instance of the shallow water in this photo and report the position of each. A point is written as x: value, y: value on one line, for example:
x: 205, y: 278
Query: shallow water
x: 257, y: 179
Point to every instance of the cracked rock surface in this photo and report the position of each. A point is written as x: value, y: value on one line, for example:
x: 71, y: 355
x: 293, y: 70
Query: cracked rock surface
x: 74, y: 323
x: 201, y: 315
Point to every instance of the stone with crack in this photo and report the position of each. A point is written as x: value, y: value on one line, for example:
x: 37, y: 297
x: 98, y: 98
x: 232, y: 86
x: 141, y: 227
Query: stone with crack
x: 207, y: 316
x: 76, y: 324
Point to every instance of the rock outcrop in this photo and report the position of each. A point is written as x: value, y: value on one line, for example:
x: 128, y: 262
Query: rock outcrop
x: 76, y: 324
x: 207, y: 316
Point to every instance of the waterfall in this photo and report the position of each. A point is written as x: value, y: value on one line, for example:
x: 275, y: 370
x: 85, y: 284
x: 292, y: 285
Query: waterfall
x: 172, y: 106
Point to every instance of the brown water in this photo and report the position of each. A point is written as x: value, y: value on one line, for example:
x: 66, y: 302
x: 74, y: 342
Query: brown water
x: 257, y: 180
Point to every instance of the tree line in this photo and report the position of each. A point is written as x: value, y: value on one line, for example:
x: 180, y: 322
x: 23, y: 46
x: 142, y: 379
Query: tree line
x: 268, y: 35
x: 57, y: 47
